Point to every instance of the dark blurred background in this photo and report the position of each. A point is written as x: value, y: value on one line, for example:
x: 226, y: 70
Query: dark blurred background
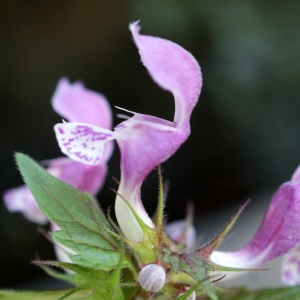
x: 245, y: 129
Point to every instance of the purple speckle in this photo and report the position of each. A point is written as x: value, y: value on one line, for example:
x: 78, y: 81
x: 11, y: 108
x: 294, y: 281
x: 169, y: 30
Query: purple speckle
x: 61, y: 130
x: 88, y: 131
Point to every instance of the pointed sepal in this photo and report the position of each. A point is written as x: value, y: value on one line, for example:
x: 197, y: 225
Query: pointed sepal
x: 208, y: 249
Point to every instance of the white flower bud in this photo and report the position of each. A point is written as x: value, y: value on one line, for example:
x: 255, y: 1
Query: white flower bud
x: 152, y: 277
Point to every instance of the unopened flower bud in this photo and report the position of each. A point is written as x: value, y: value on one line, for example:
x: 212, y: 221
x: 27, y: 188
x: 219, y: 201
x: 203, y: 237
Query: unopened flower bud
x: 152, y: 277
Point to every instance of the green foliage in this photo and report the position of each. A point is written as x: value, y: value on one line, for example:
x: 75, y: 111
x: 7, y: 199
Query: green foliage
x: 83, y: 224
x: 70, y: 278
x: 44, y: 295
x: 193, y: 265
x: 83, y: 293
x: 100, y: 284
x: 285, y: 293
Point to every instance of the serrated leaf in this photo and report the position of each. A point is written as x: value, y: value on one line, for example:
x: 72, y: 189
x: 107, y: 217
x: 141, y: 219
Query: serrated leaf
x: 193, y: 265
x: 190, y: 263
x: 83, y: 224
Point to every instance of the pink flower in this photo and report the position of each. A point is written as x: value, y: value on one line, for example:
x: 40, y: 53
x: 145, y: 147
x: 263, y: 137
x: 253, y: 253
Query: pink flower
x: 76, y: 103
x: 144, y: 141
x: 278, y: 233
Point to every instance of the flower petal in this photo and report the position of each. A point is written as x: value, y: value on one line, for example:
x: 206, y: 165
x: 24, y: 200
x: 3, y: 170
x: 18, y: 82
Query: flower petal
x: 84, y: 177
x: 82, y: 142
x: 177, y: 231
x: 278, y: 233
x: 174, y: 69
x: 21, y: 200
x: 296, y: 175
x: 290, y: 272
x: 146, y: 141
x: 78, y: 104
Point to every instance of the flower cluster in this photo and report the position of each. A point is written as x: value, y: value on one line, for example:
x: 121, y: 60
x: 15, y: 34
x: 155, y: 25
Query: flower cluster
x: 163, y: 256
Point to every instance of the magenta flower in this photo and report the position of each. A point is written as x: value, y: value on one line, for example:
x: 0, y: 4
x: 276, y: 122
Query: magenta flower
x: 70, y: 101
x: 144, y: 141
x: 278, y: 233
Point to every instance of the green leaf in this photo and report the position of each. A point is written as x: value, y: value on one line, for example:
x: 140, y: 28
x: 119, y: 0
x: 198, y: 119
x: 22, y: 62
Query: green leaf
x: 44, y: 295
x: 285, y: 293
x: 83, y: 224
x: 193, y: 265
x: 193, y: 289
x: 70, y: 278
x: 130, y: 290
x: 103, y: 284
x: 92, y: 275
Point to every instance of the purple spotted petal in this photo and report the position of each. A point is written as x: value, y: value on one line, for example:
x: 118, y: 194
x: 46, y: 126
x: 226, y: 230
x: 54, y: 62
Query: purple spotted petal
x: 21, y: 200
x: 77, y: 104
x: 278, y: 233
x: 177, y: 231
x: 82, y: 142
